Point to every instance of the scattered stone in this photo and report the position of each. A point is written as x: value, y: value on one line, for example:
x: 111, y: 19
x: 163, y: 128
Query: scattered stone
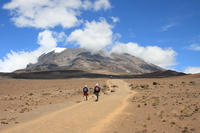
x: 148, y: 117
x: 112, y: 90
x: 154, y: 104
x: 187, y: 115
x: 130, y: 85
x: 181, y: 118
x: 4, y: 122
x: 185, y: 130
x: 192, y: 129
x: 144, y: 86
x: 156, y: 83
x: 171, y: 86
x: 114, y: 86
x: 192, y: 83
x: 172, y: 123
x: 24, y: 109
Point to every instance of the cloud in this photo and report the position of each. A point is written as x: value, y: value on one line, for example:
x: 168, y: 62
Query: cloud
x: 192, y: 70
x: 194, y: 43
x: 165, y: 28
x: 48, y: 14
x: 94, y: 36
x: 99, y: 4
x: 195, y: 47
x: 152, y: 54
x: 132, y: 34
x: 87, y: 5
x: 115, y: 19
x: 18, y: 60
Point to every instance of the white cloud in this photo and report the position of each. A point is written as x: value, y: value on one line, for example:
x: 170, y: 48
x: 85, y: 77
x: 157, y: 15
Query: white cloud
x: 165, y: 28
x: 115, y: 19
x: 195, y: 47
x: 192, y: 70
x: 94, y: 36
x: 87, y: 5
x: 194, y: 43
x: 18, y: 60
x: 99, y: 4
x: 48, y: 13
x: 152, y: 54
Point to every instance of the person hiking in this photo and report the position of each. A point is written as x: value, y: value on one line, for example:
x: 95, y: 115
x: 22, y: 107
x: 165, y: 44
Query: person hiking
x: 96, y: 92
x: 85, y: 93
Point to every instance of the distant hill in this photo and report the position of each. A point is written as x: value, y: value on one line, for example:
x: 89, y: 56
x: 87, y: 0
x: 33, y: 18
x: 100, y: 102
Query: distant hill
x: 159, y: 74
x: 83, y: 60
x: 65, y: 74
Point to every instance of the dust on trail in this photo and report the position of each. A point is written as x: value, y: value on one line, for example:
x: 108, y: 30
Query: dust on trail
x: 87, y: 116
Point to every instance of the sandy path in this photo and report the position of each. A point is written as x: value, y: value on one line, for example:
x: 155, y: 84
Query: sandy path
x: 87, y: 116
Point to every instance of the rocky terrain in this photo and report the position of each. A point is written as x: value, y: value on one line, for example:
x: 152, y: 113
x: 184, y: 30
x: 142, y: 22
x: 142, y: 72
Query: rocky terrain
x: 138, y: 105
x: 168, y: 105
x: 99, y: 62
x: 20, y: 97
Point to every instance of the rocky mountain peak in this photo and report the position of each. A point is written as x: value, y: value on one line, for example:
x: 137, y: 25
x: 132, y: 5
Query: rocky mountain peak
x: 99, y: 62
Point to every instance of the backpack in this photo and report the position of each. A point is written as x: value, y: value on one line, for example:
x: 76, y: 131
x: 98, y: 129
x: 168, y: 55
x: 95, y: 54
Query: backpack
x: 85, y: 90
x: 97, y: 89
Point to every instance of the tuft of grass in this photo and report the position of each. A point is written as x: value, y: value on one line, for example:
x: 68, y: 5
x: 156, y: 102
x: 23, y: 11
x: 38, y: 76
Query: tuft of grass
x: 30, y: 94
x: 46, y: 94
x: 148, y: 117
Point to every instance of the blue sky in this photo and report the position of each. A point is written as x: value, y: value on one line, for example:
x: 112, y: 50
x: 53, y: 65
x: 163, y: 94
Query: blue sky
x: 163, y: 32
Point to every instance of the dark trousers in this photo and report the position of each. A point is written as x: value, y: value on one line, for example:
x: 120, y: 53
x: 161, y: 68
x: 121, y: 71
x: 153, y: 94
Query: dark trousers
x: 96, y: 96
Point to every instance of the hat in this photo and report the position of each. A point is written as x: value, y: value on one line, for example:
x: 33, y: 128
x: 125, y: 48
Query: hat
x: 85, y: 85
x: 97, y: 84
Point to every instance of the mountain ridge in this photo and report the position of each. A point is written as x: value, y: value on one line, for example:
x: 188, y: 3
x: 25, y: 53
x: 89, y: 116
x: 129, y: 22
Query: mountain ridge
x: 101, y: 61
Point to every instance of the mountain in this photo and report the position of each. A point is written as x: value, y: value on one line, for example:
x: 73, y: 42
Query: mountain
x: 100, y: 62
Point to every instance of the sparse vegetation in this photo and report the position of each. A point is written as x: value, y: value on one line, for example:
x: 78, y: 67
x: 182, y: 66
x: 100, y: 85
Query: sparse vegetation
x: 158, y: 105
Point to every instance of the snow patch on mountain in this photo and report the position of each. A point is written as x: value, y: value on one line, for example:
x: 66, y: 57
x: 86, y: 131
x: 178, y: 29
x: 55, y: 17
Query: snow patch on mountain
x: 56, y: 50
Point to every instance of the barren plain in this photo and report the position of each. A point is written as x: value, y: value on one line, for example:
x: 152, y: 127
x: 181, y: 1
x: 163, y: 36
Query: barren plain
x: 135, y: 105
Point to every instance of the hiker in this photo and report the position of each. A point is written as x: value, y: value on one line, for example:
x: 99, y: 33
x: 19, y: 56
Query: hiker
x: 96, y: 92
x: 85, y: 93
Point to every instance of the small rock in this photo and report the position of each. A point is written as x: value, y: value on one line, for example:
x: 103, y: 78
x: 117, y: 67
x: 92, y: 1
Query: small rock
x: 175, y: 115
x: 181, y: 118
x: 172, y: 123
x: 4, y: 122
x: 112, y: 90
x: 193, y: 129
x: 78, y: 101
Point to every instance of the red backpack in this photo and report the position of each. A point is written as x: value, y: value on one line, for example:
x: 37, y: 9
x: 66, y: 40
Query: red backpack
x: 97, y: 89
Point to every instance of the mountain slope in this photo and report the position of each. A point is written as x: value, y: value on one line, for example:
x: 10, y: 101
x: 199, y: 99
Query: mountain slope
x: 101, y: 62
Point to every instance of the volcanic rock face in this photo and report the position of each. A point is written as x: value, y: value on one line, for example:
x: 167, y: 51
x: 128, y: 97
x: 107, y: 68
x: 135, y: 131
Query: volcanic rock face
x: 100, y: 62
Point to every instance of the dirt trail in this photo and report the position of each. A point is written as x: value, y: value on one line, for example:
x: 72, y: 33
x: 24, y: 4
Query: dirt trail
x: 87, y: 116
